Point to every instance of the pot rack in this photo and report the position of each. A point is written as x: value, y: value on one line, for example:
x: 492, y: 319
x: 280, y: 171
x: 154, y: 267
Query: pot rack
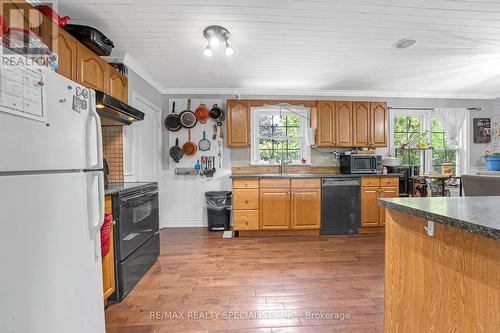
x: 429, y: 109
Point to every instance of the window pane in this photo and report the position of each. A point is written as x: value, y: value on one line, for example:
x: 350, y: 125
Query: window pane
x: 294, y: 131
x: 414, y: 124
x: 266, y: 144
x: 267, y: 155
x: 294, y: 144
x: 294, y: 155
x: 266, y: 131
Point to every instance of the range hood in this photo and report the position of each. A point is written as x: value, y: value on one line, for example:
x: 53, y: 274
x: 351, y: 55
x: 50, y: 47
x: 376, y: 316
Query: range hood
x: 115, y: 113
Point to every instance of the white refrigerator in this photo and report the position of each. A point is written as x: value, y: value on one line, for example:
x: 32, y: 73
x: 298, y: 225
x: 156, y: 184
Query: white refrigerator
x: 51, y: 205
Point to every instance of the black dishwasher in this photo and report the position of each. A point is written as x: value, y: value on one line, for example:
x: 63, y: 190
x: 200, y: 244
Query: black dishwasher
x: 340, y: 206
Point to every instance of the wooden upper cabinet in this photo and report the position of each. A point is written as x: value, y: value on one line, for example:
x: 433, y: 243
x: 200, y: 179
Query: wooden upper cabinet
x: 306, y: 209
x: 326, y: 124
x: 238, y: 123
x: 92, y: 71
x: 118, y: 85
x: 67, y: 58
x: 343, y: 124
x: 361, y: 124
x: 378, y: 119
x: 275, y: 209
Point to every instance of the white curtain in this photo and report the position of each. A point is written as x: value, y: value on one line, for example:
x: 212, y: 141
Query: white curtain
x: 452, y: 120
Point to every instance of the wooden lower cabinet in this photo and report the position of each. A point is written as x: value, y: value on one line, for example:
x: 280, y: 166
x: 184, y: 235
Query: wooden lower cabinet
x: 370, y: 214
x: 306, y: 209
x: 387, y: 192
x: 373, y: 215
x: 246, y: 220
x: 108, y: 262
x: 275, y: 209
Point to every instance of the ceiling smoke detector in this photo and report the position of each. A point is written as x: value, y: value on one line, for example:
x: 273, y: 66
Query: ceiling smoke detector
x: 405, y: 43
x: 216, y: 36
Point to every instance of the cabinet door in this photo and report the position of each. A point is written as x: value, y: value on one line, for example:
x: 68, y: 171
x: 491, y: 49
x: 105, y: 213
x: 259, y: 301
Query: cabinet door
x: 343, y: 124
x: 387, y: 192
x: 108, y: 262
x: 92, y: 70
x: 238, y: 123
x: 275, y: 209
x: 361, y: 124
x: 326, y: 124
x: 378, y: 119
x: 370, y: 214
x: 66, y: 51
x: 306, y: 209
x: 118, y: 85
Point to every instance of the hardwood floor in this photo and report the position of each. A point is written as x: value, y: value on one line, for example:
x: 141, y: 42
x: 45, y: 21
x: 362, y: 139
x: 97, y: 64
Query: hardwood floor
x: 203, y: 283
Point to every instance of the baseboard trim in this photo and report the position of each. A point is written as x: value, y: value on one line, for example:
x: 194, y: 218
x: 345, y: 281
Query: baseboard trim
x: 183, y: 223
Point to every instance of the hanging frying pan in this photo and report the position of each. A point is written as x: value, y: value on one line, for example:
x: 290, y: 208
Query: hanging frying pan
x: 216, y: 112
x: 202, y: 113
x: 204, y: 144
x: 176, y: 152
x: 189, y: 148
x: 188, y: 118
x: 173, y: 121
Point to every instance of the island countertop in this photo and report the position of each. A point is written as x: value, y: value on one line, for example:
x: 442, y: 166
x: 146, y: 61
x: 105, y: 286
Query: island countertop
x: 478, y: 215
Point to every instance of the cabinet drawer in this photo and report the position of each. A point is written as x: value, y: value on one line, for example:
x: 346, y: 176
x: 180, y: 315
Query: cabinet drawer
x: 246, y: 199
x: 246, y: 183
x: 306, y: 183
x: 370, y: 181
x: 246, y: 220
x: 275, y: 183
x: 389, y: 181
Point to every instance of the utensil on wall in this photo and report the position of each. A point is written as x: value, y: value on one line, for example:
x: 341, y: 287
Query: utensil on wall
x: 173, y: 121
x: 204, y: 144
x: 176, y: 152
x: 189, y: 148
x: 187, y: 117
x: 214, y: 137
x: 221, y: 132
x: 202, y: 113
x: 216, y: 112
x: 219, y: 154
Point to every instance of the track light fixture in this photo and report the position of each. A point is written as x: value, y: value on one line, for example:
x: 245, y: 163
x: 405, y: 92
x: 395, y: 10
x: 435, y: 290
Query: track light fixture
x: 215, y: 36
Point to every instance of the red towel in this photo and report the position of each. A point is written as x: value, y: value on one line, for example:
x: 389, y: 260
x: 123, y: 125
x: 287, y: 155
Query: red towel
x: 106, y: 234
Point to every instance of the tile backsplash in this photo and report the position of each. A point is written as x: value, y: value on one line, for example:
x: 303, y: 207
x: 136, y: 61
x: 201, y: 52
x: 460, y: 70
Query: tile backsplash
x: 112, y: 141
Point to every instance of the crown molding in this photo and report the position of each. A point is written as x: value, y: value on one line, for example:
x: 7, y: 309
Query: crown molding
x: 132, y: 64
x: 325, y: 93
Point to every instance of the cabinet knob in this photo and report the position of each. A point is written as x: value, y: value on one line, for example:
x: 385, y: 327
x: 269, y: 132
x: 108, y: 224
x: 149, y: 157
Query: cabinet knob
x: 246, y: 201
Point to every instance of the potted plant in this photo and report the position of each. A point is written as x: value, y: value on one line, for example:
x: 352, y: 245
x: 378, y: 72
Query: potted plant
x: 492, y: 161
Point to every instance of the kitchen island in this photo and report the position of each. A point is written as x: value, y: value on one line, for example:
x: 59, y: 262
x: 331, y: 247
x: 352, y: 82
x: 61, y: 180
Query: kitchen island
x: 442, y: 264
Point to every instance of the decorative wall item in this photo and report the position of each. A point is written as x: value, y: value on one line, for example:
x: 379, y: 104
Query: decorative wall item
x: 482, y: 130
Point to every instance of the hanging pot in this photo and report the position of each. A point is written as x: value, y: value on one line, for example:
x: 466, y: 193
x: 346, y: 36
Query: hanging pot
x: 176, y: 152
x: 173, y: 121
x: 216, y: 112
x: 188, y: 118
x: 202, y: 113
x: 189, y: 148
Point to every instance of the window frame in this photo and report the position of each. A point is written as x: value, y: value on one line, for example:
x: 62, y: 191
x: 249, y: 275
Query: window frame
x: 426, y: 125
x: 256, y: 112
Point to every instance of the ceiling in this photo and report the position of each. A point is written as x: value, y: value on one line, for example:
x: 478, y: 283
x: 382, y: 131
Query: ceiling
x: 308, y: 46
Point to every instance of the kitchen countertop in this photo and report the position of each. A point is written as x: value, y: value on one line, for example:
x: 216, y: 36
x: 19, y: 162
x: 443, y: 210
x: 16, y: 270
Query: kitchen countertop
x: 477, y: 215
x: 113, y: 188
x: 309, y: 175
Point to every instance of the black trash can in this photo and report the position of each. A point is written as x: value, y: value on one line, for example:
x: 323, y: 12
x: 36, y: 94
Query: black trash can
x: 218, y: 210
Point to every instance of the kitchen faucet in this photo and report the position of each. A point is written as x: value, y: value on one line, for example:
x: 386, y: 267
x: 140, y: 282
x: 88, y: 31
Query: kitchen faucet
x: 283, y: 163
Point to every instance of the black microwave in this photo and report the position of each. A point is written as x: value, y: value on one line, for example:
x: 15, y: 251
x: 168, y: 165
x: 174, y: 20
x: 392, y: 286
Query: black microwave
x: 360, y: 164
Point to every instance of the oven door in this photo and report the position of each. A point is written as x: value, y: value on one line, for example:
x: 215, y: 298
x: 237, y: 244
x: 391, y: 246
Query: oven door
x: 363, y: 164
x: 138, y: 221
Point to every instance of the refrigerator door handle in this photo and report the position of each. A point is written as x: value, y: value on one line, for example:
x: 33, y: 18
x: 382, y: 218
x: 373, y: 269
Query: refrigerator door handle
x: 95, y: 214
x: 97, y: 120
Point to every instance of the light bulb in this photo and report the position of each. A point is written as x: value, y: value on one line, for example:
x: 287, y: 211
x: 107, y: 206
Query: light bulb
x: 208, y: 52
x: 229, y: 50
x: 214, y: 42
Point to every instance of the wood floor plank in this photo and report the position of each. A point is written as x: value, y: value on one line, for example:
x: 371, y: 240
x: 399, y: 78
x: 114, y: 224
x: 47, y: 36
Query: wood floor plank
x: 278, y: 279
